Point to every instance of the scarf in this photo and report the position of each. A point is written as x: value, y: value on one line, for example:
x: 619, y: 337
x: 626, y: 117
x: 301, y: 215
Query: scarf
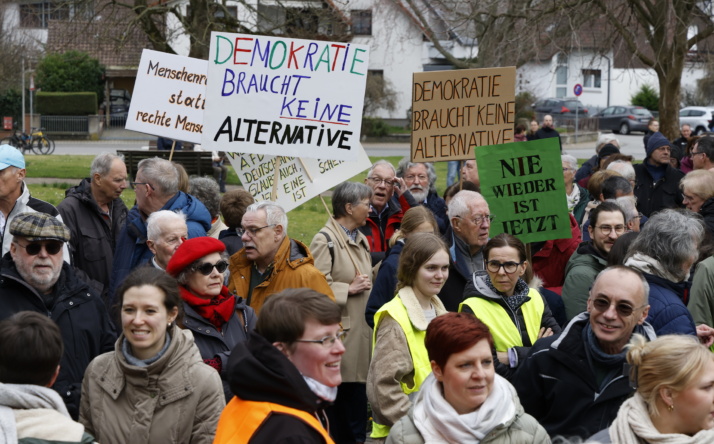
x: 24, y: 397
x: 520, y: 293
x: 647, y: 264
x: 133, y: 360
x: 321, y: 390
x: 438, y: 422
x: 634, y: 426
x: 217, y: 310
x: 573, y: 198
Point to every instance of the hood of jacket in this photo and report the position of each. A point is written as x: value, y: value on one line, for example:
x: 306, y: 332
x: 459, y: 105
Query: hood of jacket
x: 258, y: 371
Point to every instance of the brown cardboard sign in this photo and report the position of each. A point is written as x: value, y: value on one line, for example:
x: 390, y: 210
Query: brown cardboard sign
x: 455, y: 111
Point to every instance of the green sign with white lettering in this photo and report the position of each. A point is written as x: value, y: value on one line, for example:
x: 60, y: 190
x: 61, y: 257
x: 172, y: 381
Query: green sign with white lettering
x: 524, y: 187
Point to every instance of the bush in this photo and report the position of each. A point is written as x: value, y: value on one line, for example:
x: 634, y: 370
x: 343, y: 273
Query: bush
x: 73, y: 71
x: 374, y: 127
x: 524, y: 100
x: 647, y: 97
x: 66, y: 104
x: 11, y: 105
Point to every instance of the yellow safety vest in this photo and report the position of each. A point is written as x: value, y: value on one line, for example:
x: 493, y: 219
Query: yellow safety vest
x: 415, y: 339
x: 504, y: 331
x: 241, y: 419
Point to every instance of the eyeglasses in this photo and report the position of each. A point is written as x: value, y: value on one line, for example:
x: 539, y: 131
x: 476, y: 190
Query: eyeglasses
x: 622, y: 309
x: 607, y: 229
x: 478, y: 220
x: 34, y: 248
x: 568, y: 169
x: 639, y: 216
x: 420, y: 177
x: 251, y: 231
x: 508, y: 267
x: 134, y: 184
x: 327, y: 341
x: 698, y: 152
x: 378, y: 181
x: 206, y: 268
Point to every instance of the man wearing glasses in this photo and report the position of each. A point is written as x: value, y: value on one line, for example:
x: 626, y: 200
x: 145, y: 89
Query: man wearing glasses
x: 573, y: 382
x: 607, y: 223
x: 703, y: 153
x: 270, y: 261
x: 386, y: 209
x: 420, y: 179
x: 33, y: 277
x: 156, y: 187
x: 656, y: 182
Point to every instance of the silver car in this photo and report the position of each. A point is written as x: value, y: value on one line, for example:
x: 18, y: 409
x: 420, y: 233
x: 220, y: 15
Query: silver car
x: 698, y: 117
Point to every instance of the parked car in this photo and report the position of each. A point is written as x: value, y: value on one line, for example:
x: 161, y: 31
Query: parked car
x: 624, y: 119
x: 119, y: 101
x: 559, y: 107
x: 698, y: 117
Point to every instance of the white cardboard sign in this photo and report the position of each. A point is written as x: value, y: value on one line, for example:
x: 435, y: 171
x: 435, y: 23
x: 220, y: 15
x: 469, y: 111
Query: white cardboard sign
x: 286, y: 97
x: 169, y: 96
x: 299, y: 179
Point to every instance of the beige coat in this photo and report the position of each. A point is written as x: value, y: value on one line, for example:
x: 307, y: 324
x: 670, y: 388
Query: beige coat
x: 177, y: 399
x: 339, y: 274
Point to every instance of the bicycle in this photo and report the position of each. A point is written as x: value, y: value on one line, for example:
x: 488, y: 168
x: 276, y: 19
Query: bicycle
x: 37, y: 143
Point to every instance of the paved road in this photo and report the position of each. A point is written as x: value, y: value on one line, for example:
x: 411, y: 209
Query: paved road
x: 631, y: 145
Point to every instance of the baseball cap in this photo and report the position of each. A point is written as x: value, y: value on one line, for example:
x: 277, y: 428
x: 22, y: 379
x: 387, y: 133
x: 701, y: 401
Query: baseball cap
x: 11, y: 156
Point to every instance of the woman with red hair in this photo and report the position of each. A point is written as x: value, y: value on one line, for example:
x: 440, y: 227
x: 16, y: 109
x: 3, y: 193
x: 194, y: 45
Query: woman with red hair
x: 464, y: 400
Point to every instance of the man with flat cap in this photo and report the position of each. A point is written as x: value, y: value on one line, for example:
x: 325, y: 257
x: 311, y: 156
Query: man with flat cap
x: 34, y: 277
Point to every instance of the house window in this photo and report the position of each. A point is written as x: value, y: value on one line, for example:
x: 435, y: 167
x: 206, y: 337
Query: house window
x: 362, y: 22
x: 591, y: 78
x: 37, y: 15
x: 561, y: 75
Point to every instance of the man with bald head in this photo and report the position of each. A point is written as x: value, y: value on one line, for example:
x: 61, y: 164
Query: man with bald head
x: 574, y: 382
x: 547, y: 130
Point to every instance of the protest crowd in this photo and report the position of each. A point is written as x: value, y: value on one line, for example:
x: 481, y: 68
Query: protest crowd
x: 194, y: 317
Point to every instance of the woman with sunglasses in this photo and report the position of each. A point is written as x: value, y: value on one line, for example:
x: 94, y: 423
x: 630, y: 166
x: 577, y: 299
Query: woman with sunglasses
x: 218, y: 319
x: 508, y: 304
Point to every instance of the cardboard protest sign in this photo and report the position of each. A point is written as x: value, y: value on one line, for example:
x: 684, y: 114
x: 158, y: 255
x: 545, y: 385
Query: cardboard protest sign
x: 169, y: 96
x: 525, y: 190
x: 287, y: 97
x: 299, y: 179
x: 455, y: 111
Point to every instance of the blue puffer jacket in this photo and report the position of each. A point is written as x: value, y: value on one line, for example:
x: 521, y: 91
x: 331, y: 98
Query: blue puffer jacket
x: 668, y: 314
x: 132, y: 251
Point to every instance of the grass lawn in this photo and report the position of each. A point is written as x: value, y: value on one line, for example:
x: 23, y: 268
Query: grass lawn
x: 303, y: 222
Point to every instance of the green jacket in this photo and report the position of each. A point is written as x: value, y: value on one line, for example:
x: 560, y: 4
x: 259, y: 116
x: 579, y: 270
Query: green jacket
x: 580, y: 273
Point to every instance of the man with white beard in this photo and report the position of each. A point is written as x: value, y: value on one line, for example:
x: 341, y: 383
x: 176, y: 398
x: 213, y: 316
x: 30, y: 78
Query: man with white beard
x: 420, y: 179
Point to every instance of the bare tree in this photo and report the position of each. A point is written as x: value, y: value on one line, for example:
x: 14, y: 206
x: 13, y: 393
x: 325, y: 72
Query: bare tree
x: 659, y: 34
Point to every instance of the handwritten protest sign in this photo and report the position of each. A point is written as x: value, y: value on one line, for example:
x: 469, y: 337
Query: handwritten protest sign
x: 287, y: 97
x: 299, y: 179
x: 524, y: 187
x: 455, y: 111
x: 169, y: 96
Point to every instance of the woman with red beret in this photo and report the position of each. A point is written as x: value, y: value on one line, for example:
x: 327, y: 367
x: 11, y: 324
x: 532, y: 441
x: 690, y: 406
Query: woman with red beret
x: 218, y: 319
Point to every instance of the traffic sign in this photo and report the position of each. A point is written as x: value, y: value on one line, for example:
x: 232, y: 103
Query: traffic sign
x: 578, y: 89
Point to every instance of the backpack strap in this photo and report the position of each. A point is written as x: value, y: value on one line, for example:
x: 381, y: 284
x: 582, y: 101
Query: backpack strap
x: 330, y: 245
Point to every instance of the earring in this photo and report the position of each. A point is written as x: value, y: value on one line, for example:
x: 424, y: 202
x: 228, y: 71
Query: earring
x: 169, y: 324
x: 670, y: 407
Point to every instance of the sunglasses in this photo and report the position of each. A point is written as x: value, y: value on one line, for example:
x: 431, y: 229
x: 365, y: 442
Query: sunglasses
x: 34, y: 248
x: 206, y: 268
x: 622, y: 309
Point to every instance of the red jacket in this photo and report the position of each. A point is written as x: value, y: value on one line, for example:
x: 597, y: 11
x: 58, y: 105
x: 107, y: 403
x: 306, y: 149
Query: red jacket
x: 550, y: 261
x: 372, y: 230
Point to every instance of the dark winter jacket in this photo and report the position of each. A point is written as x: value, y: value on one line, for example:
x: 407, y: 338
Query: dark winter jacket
x: 231, y: 240
x: 93, y: 237
x: 707, y: 212
x: 545, y: 132
x: 557, y: 384
x: 385, y: 286
x: 213, y: 343
x: 132, y: 251
x: 258, y: 371
x: 587, y: 168
x: 479, y: 286
x: 379, y: 229
x: 668, y: 314
x: 80, y: 315
x: 452, y: 293
x: 651, y: 196
x: 438, y: 208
